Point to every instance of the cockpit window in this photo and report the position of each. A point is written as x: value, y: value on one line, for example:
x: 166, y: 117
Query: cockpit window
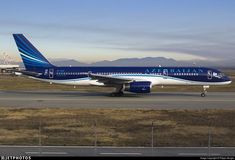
x: 221, y: 74
x: 218, y: 74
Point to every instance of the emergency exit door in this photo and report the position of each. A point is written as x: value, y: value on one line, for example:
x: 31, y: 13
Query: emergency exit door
x: 51, y: 73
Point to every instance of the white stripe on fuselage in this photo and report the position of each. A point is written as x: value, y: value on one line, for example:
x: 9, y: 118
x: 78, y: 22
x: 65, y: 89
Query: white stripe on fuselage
x: 155, y: 80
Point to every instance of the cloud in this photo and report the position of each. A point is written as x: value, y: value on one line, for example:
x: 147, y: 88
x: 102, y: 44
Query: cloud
x: 205, y: 42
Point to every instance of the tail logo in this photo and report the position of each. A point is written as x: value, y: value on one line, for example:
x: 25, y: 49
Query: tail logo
x: 30, y: 55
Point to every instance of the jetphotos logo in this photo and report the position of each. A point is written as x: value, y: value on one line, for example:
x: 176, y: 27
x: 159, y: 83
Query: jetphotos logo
x: 16, y: 158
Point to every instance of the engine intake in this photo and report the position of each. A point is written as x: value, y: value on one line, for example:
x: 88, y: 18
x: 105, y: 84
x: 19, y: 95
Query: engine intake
x: 138, y: 87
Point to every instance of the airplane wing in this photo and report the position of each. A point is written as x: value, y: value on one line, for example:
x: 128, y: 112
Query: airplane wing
x: 108, y: 79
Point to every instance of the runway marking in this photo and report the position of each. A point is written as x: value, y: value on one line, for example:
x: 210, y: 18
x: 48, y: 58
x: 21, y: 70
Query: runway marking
x: 32, y: 152
x: 56, y: 153
x: 197, y: 154
x: 110, y: 153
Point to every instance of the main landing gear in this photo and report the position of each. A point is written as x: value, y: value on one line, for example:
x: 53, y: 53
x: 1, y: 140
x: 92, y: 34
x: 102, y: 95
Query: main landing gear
x: 118, y: 92
x: 203, y: 94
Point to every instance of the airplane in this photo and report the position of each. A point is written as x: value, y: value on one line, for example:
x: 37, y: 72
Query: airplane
x: 131, y: 79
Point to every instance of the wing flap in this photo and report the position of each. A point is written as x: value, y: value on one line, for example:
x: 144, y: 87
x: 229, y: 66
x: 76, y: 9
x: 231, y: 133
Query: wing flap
x: 106, y: 79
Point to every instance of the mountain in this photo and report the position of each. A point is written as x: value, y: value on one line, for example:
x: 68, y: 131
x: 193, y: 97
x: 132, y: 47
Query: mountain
x: 67, y: 62
x: 61, y: 62
x: 147, y: 61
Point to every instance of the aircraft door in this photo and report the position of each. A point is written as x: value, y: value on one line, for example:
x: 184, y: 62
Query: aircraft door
x: 209, y: 74
x: 51, y: 73
x: 165, y: 72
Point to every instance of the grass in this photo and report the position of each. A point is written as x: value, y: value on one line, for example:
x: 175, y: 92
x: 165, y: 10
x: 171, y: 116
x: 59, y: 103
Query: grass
x: 116, y: 127
x: 11, y: 82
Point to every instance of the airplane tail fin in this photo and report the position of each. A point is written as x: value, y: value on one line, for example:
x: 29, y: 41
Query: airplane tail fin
x: 31, y: 57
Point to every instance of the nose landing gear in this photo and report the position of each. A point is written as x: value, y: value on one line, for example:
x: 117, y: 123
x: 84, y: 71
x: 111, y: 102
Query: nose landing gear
x: 203, y: 94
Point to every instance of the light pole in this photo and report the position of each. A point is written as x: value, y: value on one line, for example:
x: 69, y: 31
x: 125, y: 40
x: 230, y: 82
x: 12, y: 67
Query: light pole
x: 209, y: 141
x: 39, y: 136
x: 152, y: 140
x: 95, y: 134
x: 152, y: 145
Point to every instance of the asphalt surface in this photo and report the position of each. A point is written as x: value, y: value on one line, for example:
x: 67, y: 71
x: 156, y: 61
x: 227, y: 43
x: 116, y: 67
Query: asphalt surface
x: 114, y: 151
x: 75, y: 99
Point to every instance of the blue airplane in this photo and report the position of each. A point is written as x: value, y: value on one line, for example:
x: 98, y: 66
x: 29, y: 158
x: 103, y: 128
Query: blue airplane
x: 131, y: 79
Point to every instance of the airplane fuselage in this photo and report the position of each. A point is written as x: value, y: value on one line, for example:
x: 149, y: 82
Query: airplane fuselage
x: 156, y: 75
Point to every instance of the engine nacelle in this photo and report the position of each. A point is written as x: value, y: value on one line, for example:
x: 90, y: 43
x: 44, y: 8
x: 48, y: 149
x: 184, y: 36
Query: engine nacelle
x: 138, y: 87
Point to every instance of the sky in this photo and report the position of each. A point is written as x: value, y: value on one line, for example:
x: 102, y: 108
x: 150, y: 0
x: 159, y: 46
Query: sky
x: 95, y: 30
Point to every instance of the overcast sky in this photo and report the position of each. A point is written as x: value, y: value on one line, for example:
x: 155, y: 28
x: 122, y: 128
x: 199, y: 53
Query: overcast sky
x: 94, y: 30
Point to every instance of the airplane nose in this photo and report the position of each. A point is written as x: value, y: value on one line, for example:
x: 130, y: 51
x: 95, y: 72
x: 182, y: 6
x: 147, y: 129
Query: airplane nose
x: 227, y: 79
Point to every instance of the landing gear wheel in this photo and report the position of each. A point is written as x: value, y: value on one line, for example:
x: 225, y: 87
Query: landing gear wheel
x: 117, y: 94
x: 112, y: 94
x: 203, y: 94
x: 204, y: 91
x: 120, y: 94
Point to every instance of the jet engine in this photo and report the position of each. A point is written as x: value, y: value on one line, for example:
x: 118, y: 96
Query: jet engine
x: 138, y: 87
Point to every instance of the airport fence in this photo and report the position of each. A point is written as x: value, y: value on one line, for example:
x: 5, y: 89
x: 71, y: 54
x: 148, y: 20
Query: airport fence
x: 90, y: 132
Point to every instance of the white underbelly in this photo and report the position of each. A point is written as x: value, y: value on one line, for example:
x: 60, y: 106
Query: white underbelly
x: 80, y: 81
